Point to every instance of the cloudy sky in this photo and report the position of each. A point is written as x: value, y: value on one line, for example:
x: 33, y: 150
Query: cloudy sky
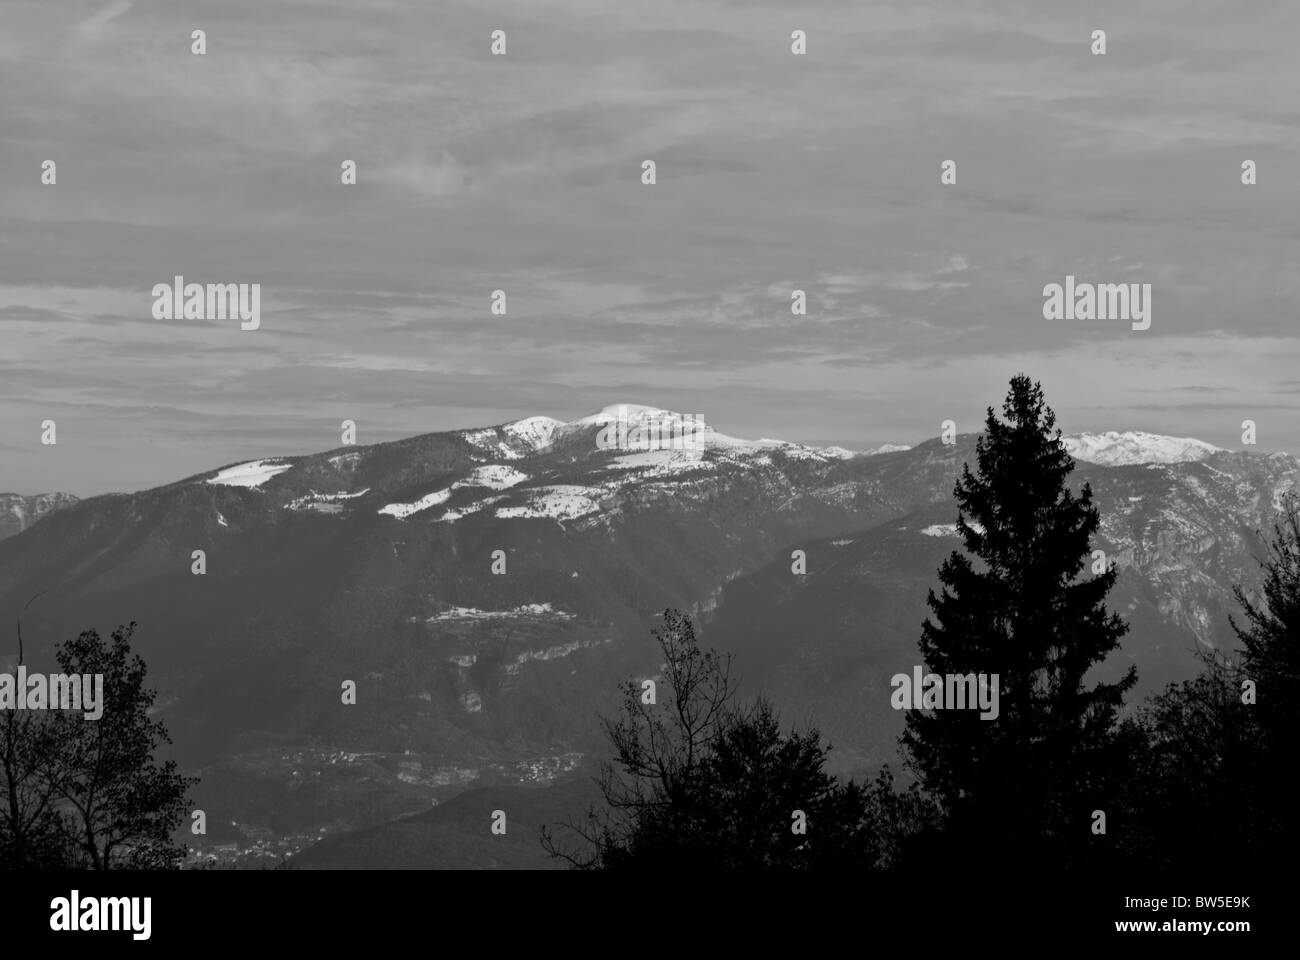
x: 522, y: 173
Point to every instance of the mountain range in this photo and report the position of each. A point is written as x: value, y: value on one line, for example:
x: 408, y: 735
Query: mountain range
x: 487, y: 590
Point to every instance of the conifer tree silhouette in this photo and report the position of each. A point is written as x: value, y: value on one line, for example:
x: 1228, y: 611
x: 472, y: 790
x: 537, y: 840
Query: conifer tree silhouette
x: 1020, y: 603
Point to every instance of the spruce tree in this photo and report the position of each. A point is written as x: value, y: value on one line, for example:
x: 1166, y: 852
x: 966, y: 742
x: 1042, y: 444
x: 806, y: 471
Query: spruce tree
x: 1022, y: 603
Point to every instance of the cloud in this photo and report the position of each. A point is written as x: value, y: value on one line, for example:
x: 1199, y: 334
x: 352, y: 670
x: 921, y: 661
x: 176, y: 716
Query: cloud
x: 521, y: 173
x: 90, y: 28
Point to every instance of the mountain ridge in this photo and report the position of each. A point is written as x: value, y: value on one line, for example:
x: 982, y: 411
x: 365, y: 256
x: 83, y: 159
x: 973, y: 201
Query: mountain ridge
x: 474, y: 672
x: 537, y: 432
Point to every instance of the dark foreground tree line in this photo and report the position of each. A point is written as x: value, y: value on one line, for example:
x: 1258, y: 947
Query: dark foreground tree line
x: 1065, y: 779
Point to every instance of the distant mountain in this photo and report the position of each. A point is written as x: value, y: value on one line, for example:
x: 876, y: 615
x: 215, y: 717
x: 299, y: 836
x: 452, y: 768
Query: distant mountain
x: 887, y: 448
x: 1124, y: 449
x: 17, y: 512
x: 376, y: 564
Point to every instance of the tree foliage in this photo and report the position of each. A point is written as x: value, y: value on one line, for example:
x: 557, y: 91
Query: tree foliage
x: 90, y: 793
x: 698, y: 779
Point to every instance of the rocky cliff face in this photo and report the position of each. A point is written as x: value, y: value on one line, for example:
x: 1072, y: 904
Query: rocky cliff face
x: 1192, y: 530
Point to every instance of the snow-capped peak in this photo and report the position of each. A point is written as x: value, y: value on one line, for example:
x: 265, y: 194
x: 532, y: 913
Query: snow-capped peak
x: 537, y: 433
x: 626, y: 411
x: 1134, y: 446
x: 534, y: 432
x: 888, y: 448
x: 252, y: 474
x: 839, y: 453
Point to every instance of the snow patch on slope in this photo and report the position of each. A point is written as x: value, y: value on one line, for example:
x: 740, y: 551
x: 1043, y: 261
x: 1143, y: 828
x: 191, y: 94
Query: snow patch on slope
x: 251, y: 474
x: 564, y: 502
x: 316, y: 500
x: 460, y: 513
x: 656, y: 463
x: 495, y: 476
x: 527, y: 610
x: 760, y: 450
x: 940, y: 530
x: 550, y: 653
x: 532, y: 432
x: 948, y: 529
x: 517, y: 439
x: 403, y: 510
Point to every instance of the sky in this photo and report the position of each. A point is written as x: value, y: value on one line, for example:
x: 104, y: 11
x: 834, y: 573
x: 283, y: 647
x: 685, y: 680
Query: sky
x: 522, y: 173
